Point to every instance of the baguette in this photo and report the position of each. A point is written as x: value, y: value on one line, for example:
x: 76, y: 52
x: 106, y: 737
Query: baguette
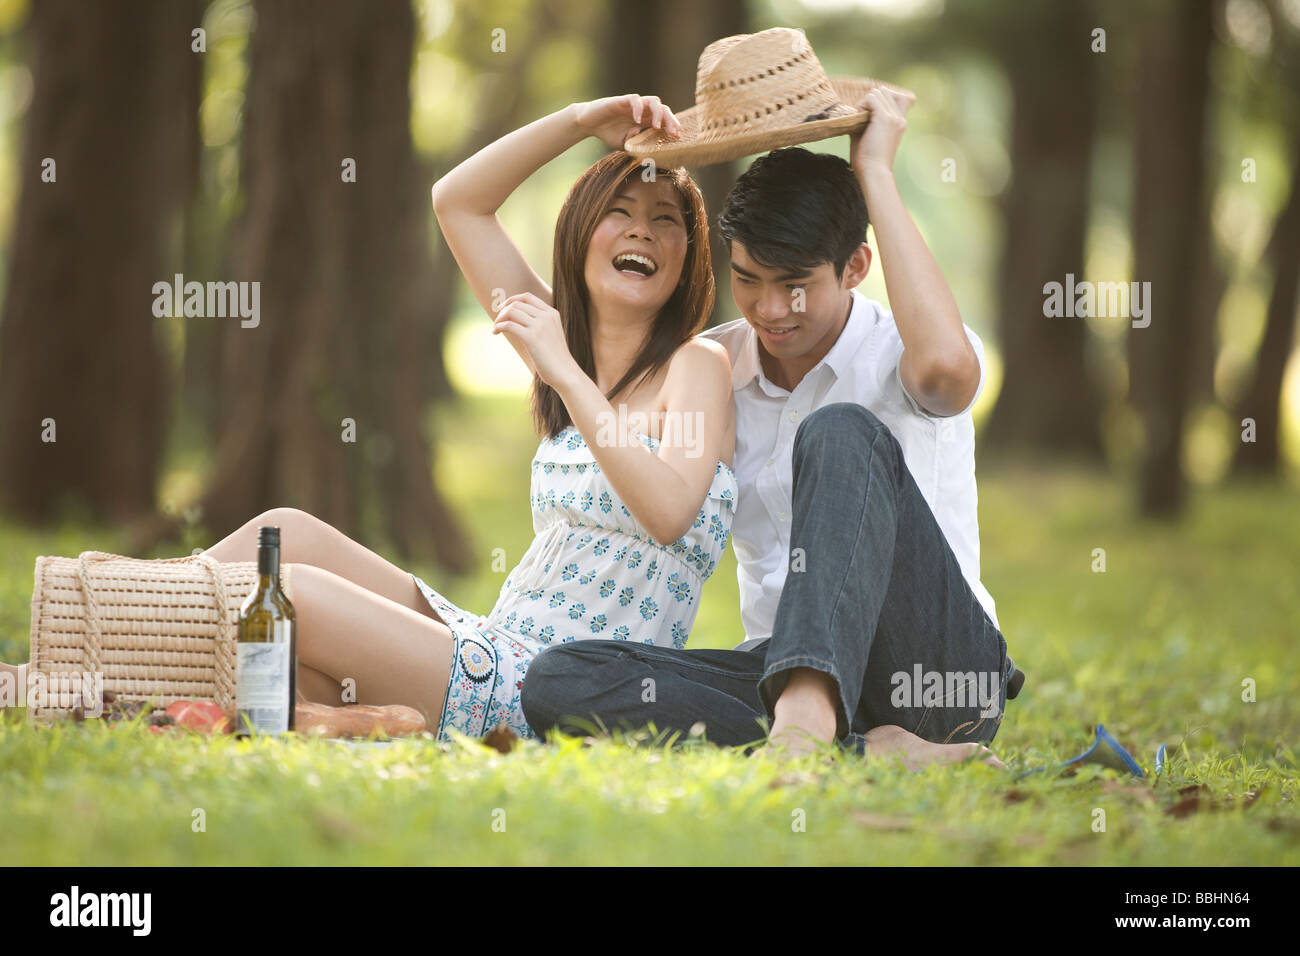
x: 357, y: 720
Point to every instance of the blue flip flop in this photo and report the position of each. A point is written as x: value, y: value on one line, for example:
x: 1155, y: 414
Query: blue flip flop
x: 1108, y: 752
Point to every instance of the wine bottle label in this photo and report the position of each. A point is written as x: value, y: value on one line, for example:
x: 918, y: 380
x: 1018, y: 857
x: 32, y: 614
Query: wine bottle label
x: 262, y: 687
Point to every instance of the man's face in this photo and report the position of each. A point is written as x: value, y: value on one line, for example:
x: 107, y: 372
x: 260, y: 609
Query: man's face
x: 794, y: 312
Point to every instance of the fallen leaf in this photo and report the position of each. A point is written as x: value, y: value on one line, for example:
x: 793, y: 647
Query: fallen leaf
x: 1027, y: 841
x: 335, y: 827
x: 875, y: 821
x: 1120, y: 788
x: 1189, y: 802
x: 791, y: 779
x: 1184, y: 808
x: 501, y: 739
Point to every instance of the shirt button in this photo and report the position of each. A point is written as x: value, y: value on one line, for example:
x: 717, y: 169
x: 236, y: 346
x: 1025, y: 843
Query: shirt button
x: 782, y: 516
x: 794, y: 416
x: 771, y: 462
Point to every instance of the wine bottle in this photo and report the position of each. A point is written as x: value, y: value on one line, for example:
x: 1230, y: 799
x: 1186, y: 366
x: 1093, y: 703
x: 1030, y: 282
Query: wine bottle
x: 266, y: 667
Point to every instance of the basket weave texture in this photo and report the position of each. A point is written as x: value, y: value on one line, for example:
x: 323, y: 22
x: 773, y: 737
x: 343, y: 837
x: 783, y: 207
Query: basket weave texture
x: 160, y: 630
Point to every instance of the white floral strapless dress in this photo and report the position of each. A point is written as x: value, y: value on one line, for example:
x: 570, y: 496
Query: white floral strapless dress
x: 591, y: 572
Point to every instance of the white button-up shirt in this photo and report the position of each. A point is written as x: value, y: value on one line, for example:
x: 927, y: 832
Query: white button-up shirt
x: 861, y: 367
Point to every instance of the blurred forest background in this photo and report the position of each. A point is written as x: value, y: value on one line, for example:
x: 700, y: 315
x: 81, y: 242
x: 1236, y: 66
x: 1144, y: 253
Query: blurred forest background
x: 1154, y: 141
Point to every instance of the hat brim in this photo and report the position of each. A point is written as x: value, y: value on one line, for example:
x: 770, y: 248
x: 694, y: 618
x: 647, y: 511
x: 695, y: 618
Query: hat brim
x: 668, y: 151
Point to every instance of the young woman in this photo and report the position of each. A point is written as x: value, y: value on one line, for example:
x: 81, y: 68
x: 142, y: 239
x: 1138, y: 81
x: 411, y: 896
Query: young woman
x: 630, y: 522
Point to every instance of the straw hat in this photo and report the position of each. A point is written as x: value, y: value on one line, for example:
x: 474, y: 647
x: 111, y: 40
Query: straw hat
x: 756, y: 92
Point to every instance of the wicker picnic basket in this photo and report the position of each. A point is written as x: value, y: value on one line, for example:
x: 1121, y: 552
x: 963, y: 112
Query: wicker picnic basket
x: 160, y: 630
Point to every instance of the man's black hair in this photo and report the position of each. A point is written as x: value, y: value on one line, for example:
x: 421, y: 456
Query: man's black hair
x: 794, y: 210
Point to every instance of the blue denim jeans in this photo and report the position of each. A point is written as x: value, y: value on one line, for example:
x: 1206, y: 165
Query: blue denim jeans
x: 879, y: 603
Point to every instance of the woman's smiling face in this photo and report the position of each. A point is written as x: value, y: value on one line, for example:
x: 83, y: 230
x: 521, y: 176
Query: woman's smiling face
x: 636, y: 253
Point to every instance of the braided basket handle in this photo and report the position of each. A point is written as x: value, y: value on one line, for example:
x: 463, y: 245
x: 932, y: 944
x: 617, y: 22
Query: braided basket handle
x: 91, y: 656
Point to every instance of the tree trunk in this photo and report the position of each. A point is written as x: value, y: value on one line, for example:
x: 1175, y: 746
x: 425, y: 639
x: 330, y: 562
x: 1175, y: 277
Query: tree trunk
x: 343, y: 272
x: 1171, y: 225
x: 663, y: 64
x: 1049, y: 400
x: 1262, y: 400
x: 115, y: 111
x: 503, y: 102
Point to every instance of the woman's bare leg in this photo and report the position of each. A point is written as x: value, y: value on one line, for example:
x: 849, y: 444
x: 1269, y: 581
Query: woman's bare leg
x: 393, y: 654
x: 306, y: 539
x: 318, y: 687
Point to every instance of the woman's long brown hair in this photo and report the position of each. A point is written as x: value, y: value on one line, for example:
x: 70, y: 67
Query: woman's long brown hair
x: 682, y: 316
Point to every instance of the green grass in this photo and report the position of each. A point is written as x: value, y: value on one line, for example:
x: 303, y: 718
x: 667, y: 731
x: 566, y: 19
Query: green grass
x: 1157, y: 647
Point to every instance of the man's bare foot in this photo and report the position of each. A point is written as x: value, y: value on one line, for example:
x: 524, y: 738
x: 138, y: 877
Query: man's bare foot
x: 916, y: 752
x: 790, y: 744
x: 804, y: 716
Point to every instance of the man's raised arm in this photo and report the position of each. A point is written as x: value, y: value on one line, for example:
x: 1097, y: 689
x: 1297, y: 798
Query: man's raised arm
x: 938, y: 366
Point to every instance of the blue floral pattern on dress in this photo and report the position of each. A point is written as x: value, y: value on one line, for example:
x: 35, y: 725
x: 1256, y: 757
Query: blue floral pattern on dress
x: 716, y: 530
x: 627, y: 586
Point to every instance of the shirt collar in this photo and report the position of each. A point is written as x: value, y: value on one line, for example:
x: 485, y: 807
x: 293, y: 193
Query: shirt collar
x: 839, y: 359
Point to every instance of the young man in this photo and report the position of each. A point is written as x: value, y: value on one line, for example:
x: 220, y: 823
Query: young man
x: 855, y: 530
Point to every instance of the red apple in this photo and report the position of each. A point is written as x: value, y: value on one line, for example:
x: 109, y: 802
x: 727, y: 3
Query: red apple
x: 201, y: 715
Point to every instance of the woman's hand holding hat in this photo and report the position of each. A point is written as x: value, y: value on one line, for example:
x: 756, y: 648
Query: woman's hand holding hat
x: 614, y: 118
